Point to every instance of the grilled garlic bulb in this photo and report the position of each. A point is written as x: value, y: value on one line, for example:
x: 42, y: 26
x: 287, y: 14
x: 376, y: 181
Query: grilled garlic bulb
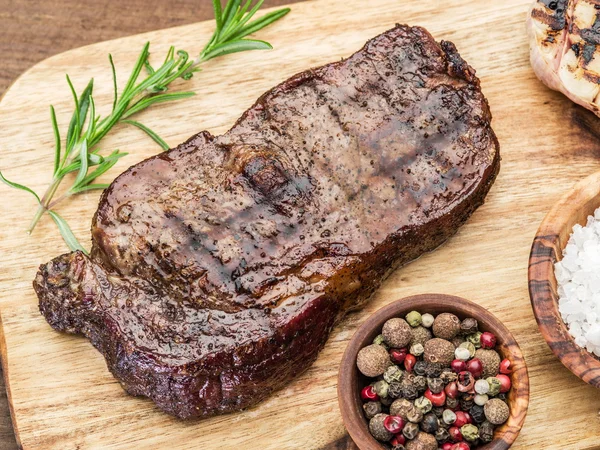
x: 564, y: 38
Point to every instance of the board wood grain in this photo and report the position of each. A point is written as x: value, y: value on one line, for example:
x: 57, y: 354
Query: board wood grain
x: 62, y: 395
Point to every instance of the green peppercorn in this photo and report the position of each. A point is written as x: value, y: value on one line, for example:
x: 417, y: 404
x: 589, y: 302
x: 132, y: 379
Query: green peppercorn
x: 378, y: 430
x: 410, y: 430
x: 475, y: 339
x: 424, y: 404
x: 393, y: 374
x: 371, y: 409
x: 495, y: 385
x: 486, y: 432
x: 379, y: 340
x: 427, y: 320
x: 430, y: 423
x: 381, y: 388
x: 416, y: 349
x: 469, y: 346
x: 435, y: 385
x: 470, y: 432
x: 414, y: 318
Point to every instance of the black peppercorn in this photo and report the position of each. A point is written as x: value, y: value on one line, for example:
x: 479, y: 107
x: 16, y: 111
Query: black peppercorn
x: 502, y: 397
x: 442, y: 435
x: 486, y: 432
x: 387, y: 401
x: 451, y: 403
x: 372, y: 409
x: 421, y: 383
x: 436, y: 385
x: 448, y: 376
x: 438, y: 411
x: 430, y: 423
x: 468, y: 326
x: 395, y: 390
x: 433, y: 370
x: 466, y: 402
x: 420, y: 368
x: 408, y: 391
x: 399, y: 447
x: 477, y: 414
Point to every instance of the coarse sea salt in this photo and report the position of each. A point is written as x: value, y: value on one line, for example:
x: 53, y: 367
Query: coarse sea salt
x: 578, y: 277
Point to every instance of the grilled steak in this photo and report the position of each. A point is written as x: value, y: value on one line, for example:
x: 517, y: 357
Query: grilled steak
x: 219, y: 268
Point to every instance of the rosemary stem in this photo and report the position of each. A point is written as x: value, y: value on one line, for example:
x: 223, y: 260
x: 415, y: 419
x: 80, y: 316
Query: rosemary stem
x: 36, y: 218
x: 58, y: 200
x: 43, y: 207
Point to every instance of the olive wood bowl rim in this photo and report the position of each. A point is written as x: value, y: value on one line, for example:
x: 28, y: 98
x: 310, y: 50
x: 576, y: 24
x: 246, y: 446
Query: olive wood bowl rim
x: 547, y: 247
x: 349, y: 377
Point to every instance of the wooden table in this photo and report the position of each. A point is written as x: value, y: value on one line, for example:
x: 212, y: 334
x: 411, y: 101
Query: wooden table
x: 33, y: 30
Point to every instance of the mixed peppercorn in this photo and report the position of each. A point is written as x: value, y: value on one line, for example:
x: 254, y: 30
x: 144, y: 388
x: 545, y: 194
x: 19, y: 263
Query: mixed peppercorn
x: 438, y: 383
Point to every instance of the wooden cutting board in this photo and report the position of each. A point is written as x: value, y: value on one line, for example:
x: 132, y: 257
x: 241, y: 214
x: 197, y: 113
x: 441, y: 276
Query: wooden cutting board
x: 62, y: 395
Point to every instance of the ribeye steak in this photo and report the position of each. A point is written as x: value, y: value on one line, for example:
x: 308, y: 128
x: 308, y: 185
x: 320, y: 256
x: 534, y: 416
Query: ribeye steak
x: 219, y: 268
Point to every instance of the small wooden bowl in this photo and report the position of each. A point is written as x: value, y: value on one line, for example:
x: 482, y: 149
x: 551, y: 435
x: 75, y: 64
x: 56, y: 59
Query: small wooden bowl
x: 550, y: 240
x: 350, y: 380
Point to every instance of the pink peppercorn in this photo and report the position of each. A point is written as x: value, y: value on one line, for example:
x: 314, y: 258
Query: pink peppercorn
x: 398, y: 355
x: 368, y: 394
x: 488, y: 340
x: 505, y: 382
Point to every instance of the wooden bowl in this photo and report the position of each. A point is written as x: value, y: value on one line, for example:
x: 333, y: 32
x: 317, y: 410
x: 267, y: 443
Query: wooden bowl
x: 550, y: 240
x: 350, y: 380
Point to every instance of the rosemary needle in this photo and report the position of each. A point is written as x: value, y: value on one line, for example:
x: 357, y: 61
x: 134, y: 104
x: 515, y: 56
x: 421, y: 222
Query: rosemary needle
x: 79, y: 152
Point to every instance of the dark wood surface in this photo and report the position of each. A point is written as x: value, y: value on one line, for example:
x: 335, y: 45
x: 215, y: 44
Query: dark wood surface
x: 33, y: 30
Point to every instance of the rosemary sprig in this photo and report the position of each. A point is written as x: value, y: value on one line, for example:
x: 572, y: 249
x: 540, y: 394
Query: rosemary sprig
x: 79, y: 151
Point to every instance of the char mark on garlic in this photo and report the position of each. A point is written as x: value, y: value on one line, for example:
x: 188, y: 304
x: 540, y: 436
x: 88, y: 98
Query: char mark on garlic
x: 564, y: 39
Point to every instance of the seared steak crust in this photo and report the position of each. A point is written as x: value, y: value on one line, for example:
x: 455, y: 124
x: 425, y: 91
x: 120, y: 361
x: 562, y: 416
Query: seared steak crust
x: 219, y: 268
